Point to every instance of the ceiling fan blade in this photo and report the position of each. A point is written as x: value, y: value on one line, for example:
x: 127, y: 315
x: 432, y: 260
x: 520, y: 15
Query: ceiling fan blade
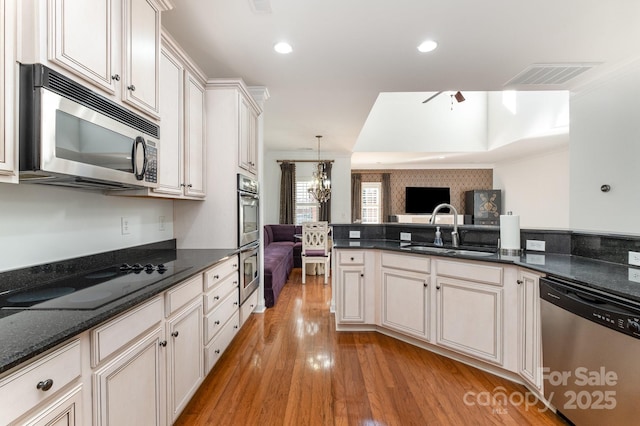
x: 427, y: 100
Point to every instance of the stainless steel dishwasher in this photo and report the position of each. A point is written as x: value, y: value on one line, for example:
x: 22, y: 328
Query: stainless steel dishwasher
x: 591, y: 354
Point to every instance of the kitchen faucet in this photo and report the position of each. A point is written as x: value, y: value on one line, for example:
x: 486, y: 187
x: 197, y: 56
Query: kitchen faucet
x: 455, y: 240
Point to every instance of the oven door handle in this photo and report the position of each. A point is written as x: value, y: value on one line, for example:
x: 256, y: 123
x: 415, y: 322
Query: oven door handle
x: 250, y: 247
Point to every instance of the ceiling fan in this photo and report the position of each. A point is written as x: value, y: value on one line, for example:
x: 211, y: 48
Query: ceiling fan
x: 458, y: 96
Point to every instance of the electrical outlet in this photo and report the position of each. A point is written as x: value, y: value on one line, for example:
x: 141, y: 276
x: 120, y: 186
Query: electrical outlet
x: 634, y: 275
x: 354, y: 234
x: 124, y: 225
x: 536, y: 245
x: 162, y: 224
x: 405, y: 236
x: 634, y: 258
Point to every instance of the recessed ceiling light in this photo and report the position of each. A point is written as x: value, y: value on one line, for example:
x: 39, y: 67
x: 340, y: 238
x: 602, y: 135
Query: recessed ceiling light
x: 427, y: 46
x: 283, y: 47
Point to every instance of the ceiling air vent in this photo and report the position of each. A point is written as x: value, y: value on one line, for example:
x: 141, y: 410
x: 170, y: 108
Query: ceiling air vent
x: 550, y: 73
x: 260, y: 6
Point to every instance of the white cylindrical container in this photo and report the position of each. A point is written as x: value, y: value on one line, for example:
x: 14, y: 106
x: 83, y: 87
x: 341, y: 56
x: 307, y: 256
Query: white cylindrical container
x: 509, y: 234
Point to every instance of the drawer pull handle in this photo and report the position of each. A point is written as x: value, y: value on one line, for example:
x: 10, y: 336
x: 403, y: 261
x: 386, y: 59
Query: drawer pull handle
x: 235, y: 326
x: 163, y: 343
x: 426, y: 285
x: 235, y: 303
x: 235, y: 282
x: 362, y: 275
x: 175, y: 334
x: 437, y: 287
x: 217, y: 323
x: 252, y: 306
x: 352, y: 259
x: 216, y: 297
x: 115, y: 77
x: 235, y: 265
x: 519, y: 282
x: 215, y: 277
x: 132, y: 88
x: 217, y: 351
x: 45, y: 385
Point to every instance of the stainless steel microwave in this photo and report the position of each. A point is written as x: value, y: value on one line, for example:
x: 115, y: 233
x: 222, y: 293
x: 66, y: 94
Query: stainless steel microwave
x: 72, y: 136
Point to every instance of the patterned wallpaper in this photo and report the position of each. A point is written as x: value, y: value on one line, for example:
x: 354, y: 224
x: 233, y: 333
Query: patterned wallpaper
x: 458, y: 180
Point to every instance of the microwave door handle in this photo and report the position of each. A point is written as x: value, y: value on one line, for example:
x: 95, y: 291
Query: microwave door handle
x: 134, y: 157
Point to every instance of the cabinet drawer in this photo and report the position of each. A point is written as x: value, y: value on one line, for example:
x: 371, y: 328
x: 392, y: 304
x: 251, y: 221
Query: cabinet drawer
x: 214, y: 350
x: 470, y: 271
x: 248, y: 307
x: 351, y: 257
x: 213, y: 297
x: 182, y: 294
x: 110, y: 337
x: 214, y: 321
x: 407, y: 262
x: 19, y: 392
x: 219, y: 272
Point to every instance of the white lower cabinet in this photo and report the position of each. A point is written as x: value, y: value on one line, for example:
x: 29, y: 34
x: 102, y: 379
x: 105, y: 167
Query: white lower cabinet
x: 470, y: 318
x: 247, y: 308
x: 350, y: 300
x: 529, y: 346
x: 185, y: 367
x: 405, y: 294
x: 216, y: 347
x: 64, y: 411
x: 130, y: 389
x: 38, y: 386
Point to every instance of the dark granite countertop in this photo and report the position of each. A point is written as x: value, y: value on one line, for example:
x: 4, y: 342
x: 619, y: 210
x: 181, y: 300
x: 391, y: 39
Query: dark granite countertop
x: 27, y: 333
x: 612, y: 278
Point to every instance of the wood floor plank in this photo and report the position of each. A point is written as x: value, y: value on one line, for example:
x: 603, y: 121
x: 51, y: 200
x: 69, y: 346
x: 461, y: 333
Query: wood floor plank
x: 288, y: 366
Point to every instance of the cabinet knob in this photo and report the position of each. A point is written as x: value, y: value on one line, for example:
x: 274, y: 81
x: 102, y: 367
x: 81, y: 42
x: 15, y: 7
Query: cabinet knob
x: 425, y: 284
x: 217, y: 351
x: 115, y: 77
x: 235, y: 283
x: 235, y: 303
x: 175, y: 334
x: 132, y: 88
x: 235, y: 326
x: 362, y: 275
x: 190, y: 186
x: 520, y: 282
x: 235, y: 265
x: 45, y: 385
x: 217, y: 322
x: 216, y: 297
x: 352, y: 259
x: 252, y: 306
x: 437, y: 287
x: 163, y: 343
x: 215, y: 277
x: 182, y: 185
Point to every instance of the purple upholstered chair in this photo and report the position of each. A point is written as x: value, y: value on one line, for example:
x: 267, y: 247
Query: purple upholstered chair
x: 315, y: 247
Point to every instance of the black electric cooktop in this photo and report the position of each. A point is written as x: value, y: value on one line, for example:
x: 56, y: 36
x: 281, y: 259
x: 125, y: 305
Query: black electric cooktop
x: 89, y: 291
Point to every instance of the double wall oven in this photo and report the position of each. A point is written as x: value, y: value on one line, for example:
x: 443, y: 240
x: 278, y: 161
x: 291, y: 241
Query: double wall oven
x: 248, y: 235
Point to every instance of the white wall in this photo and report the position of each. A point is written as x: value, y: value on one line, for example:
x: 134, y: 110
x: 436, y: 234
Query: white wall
x: 605, y: 149
x: 536, y: 188
x: 40, y: 224
x: 532, y: 115
x: 340, y: 183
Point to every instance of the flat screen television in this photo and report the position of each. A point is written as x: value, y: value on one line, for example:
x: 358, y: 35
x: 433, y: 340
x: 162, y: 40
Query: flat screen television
x: 425, y: 199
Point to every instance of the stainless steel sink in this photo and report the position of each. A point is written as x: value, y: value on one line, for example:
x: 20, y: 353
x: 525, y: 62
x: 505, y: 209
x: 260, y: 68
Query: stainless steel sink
x: 446, y: 250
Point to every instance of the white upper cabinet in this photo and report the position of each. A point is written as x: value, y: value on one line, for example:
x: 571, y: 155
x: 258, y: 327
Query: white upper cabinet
x: 81, y: 37
x: 8, y: 161
x: 248, y: 141
x: 112, y: 44
x: 141, y: 26
x: 195, y: 147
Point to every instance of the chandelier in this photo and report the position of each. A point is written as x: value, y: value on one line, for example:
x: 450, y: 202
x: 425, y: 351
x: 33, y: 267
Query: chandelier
x: 321, y: 185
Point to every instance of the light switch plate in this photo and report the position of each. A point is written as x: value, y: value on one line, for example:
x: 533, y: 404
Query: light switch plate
x: 354, y: 234
x: 536, y: 245
x: 405, y: 236
x: 634, y: 258
x: 124, y: 225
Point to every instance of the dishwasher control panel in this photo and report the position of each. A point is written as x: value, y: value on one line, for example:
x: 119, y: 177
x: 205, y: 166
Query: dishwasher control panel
x: 599, y: 308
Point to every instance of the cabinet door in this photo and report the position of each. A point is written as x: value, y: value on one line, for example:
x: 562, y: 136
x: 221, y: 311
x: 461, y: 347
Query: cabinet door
x: 8, y: 146
x: 141, y: 24
x: 405, y: 302
x: 171, y: 156
x: 195, y: 146
x: 350, y: 302
x: 185, y: 364
x: 244, y: 134
x: 469, y: 316
x: 130, y: 390
x: 529, y: 365
x: 81, y: 39
x: 65, y: 411
x: 253, y: 140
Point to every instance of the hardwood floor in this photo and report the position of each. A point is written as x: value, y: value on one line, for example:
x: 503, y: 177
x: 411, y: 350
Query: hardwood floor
x: 289, y: 366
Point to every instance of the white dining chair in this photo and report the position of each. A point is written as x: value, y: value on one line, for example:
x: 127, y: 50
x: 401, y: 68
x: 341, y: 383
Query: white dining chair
x: 315, y: 247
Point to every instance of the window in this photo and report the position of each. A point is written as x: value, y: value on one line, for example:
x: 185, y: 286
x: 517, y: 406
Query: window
x: 307, y: 208
x: 371, y: 202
